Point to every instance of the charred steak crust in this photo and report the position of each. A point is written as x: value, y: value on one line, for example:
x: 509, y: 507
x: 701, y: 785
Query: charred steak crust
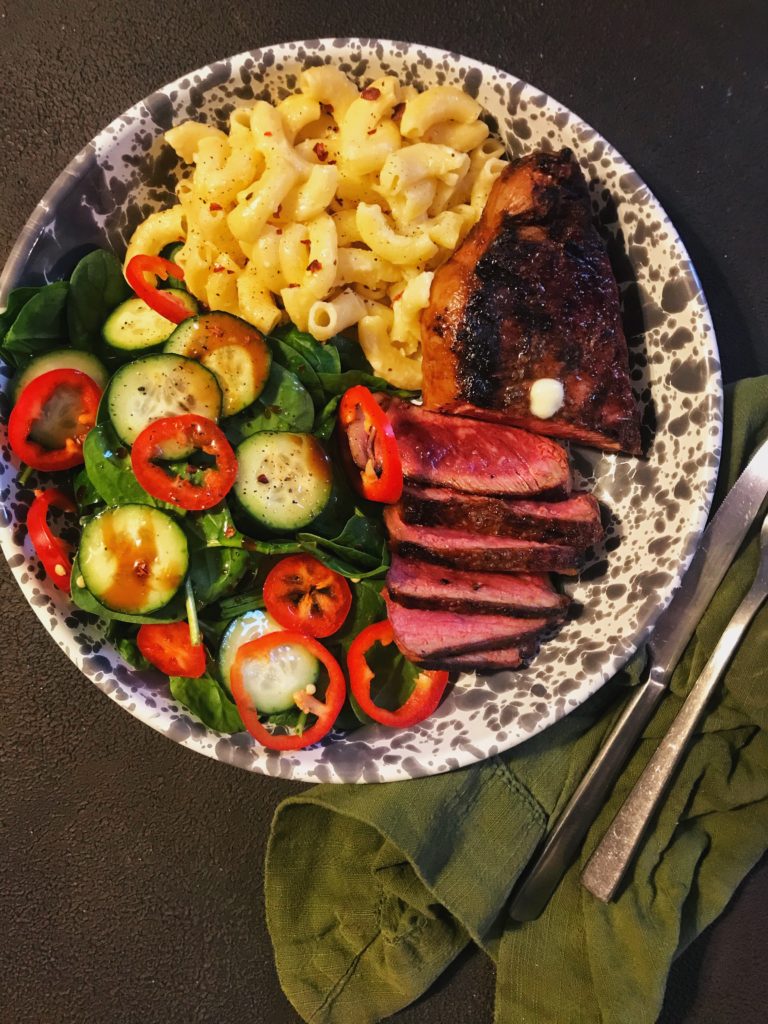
x: 574, y: 521
x: 531, y: 294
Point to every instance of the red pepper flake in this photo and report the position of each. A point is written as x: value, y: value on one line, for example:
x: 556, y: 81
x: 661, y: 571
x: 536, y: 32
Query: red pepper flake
x: 314, y: 266
x: 397, y: 113
x: 371, y: 93
x: 215, y: 207
x: 229, y: 530
x: 331, y: 161
x: 326, y: 108
x: 218, y: 269
x: 293, y: 286
x: 372, y: 131
x: 306, y: 241
x: 320, y: 151
x: 268, y: 133
x: 398, y: 297
x: 279, y: 231
x: 278, y: 210
x: 262, y: 478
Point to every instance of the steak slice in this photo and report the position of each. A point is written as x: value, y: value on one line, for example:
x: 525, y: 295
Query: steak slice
x: 418, y: 584
x: 485, y: 661
x: 424, y: 635
x: 574, y: 521
x: 467, y: 550
x: 530, y: 294
x: 476, y: 457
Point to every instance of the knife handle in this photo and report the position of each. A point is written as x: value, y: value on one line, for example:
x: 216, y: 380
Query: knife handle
x: 565, y: 839
x: 607, y: 865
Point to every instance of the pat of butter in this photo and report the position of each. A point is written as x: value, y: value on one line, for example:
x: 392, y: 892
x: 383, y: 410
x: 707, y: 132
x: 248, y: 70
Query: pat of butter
x: 546, y: 397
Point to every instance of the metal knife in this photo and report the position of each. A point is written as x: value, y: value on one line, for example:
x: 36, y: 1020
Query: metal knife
x: 674, y: 628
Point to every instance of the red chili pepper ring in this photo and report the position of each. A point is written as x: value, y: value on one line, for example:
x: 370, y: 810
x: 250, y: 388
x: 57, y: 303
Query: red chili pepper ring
x: 182, y: 431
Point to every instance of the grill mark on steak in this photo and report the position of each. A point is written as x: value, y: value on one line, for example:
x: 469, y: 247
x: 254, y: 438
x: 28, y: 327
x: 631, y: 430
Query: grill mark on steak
x: 466, y: 550
x: 419, y: 584
x: 476, y: 457
x: 422, y: 635
x: 485, y: 661
x: 574, y: 521
x: 531, y: 294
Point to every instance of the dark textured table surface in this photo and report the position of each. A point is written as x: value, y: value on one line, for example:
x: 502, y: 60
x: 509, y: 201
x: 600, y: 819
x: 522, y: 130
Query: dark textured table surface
x: 132, y: 869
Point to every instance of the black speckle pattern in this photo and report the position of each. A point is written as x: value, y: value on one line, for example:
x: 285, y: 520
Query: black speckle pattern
x: 655, y: 508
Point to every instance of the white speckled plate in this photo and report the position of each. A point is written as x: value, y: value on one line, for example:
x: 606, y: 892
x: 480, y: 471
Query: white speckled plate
x: 658, y: 507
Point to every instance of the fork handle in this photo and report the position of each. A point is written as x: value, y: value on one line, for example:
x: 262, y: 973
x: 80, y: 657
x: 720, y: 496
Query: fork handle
x: 605, y: 868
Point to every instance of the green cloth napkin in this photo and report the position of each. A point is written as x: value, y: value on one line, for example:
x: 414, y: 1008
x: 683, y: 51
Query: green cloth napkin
x: 372, y: 891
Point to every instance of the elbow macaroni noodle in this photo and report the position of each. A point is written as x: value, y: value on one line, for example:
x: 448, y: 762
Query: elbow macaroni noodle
x: 332, y: 209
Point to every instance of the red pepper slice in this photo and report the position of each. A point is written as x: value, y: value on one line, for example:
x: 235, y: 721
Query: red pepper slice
x: 65, y: 402
x: 327, y: 710
x: 369, y: 447
x: 421, y: 703
x: 168, y: 646
x: 183, y: 431
x: 166, y: 305
x: 303, y: 594
x: 51, y: 551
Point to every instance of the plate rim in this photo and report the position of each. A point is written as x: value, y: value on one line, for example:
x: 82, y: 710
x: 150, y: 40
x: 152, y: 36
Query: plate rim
x: 24, y: 244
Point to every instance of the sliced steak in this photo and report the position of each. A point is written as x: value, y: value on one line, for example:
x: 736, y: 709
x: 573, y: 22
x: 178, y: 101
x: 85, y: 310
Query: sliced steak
x: 466, y: 550
x: 476, y: 457
x: 575, y: 521
x: 485, y: 661
x: 419, y: 584
x: 428, y: 635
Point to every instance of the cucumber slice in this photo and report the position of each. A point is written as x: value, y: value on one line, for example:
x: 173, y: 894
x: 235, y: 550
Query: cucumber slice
x: 160, y: 385
x: 272, y: 679
x: 232, y: 349
x: 284, y: 481
x: 134, y: 328
x: 248, y: 626
x: 133, y: 558
x: 61, y: 359
x: 170, y: 252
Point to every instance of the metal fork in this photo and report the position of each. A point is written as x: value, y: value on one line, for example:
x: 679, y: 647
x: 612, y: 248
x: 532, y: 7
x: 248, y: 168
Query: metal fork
x: 605, y: 868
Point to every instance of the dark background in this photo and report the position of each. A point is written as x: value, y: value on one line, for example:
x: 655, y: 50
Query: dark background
x: 131, y: 868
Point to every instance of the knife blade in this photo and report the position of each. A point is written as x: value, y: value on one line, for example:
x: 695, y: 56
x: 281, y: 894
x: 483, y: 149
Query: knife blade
x: 717, y: 548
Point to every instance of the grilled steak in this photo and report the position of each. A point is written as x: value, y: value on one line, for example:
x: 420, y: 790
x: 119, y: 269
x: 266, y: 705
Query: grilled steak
x: 467, y: 550
x: 428, y: 635
x: 418, y: 584
x: 485, y: 661
x: 575, y: 521
x: 530, y: 294
x: 476, y: 457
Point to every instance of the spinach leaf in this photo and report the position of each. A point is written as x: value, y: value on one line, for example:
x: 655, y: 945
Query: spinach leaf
x: 84, y: 599
x: 325, y: 420
x: 337, y: 383
x: 96, y: 287
x: 351, y: 355
x: 232, y: 607
x: 297, y: 363
x: 284, y: 404
x: 358, y: 552
x: 321, y: 357
x: 87, y: 497
x: 207, y: 698
x: 367, y: 607
x: 129, y: 652
x: 216, y: 572
x: 217, y: 528
x: 39, y: 326
x: 108, y: 465
x: 17, y: 299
